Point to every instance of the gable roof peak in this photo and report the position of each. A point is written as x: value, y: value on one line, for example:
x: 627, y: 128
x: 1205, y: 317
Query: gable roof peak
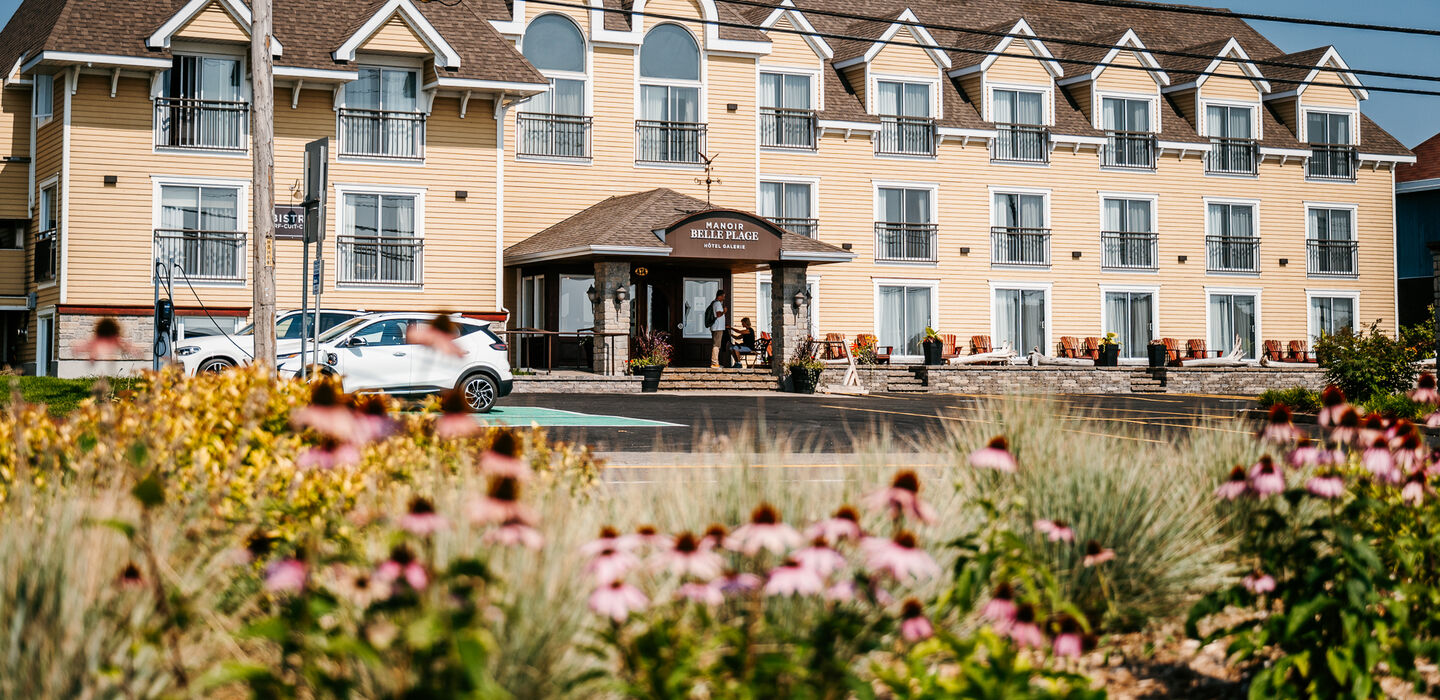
x: 445, y: 54
x: 982, y: 48
x: 906, y: 19
x: 237, y: 9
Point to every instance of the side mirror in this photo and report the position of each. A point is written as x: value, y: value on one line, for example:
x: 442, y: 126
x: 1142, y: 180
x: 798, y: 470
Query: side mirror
x: 357, y: 342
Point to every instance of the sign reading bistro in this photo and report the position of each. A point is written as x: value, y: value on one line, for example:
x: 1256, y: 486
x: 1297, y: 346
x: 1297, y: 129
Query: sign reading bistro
x: 723, y: 235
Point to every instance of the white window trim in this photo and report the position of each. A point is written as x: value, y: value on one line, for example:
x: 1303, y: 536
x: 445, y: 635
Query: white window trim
x: 246, y: 93
x: 423, y: 103
x: 812, y: 180
x: 639, y: 81
x: 47, y: 183
x: 1254, y: 204
x: 48, y: 116
x: 932, y: 284
x: 1047, y: 106
x: 1256, y: 123
x: 1351, y: 207
x: 1097, y: 105
x: 242, y: 221
x: 1259, y: 317
x: 932, y: 84
x: 586, y: 52
x: 343, y: 189
x: 1304, y: 122
x: 817, y: 96
x: 1007, y: 189
x: 1047, y: 287
x: 875, y: 187
x: 1151, y: 197
x: 1311, y: 294
x: 1152, y: 289
x: 762, y: 304
x: 536, y: 281
x: 43, y: 360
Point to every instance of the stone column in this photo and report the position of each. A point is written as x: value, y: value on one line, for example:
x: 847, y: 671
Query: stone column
x: 612, y: 315
x: 789, y: 322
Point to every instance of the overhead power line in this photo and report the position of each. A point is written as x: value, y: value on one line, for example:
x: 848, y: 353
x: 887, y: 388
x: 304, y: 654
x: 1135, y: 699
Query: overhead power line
x: 1192, y: 10
x: 984, y: 52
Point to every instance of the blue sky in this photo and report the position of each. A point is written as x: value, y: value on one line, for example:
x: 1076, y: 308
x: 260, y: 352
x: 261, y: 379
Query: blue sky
x: 1411, y: 118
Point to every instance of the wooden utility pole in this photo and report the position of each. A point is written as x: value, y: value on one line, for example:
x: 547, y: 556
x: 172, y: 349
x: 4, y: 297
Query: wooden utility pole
x: 262, y: 183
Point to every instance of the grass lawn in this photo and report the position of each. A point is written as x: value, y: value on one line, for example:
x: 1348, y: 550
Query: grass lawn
x: 61, y: 395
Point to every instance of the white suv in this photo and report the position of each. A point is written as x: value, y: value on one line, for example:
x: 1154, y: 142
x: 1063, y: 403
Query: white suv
x: 217, y: 353
x: 370, y: 354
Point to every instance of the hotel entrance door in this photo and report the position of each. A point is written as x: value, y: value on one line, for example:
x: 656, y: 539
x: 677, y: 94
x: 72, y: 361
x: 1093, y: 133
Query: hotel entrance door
x: 674, y: 301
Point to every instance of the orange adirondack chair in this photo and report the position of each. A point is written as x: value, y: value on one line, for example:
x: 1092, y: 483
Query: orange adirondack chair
x: 1196, y: 348
x: 1300, y: 352
x: 980, y: 344
x: 832, y: 346
x: 1092, y: 348
x: 947, y: 346
x: 1172, y: 350
x: 1272, y: 351
x: 1069, y: 346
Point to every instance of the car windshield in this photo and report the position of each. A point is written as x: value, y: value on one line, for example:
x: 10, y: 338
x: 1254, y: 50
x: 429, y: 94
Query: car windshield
x: 341, y: 329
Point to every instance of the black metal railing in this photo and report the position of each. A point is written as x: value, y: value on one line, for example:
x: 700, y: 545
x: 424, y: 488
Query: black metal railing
x: 897, y: 241
x: 1332, y: 258
x: 1129, y: 149
x: 375, y: 133
x: 1021, y: 143
x: 1128, y: 250
x: 1231, y: 156
x: 669, y: 142
x: 212, y: 125
x: 1330, y: 161
x: 552, y: 135
x: 1016, y: 245
x: 380, y: 260
x: 46, y: 245
x: 203, y: 255
x: 802, y: 226
x: 906, y: 136
x: 788, y: 128
x: 1232, y: 254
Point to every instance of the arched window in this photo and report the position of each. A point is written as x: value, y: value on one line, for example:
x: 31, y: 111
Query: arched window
x: 554, y: 123
x: 669, y: 130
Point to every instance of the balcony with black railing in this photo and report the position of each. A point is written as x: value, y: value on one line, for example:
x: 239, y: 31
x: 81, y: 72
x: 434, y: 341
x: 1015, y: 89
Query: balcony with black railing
x: 375, y: 133
x: 46, y: 244
x: 1232, y: 254
x: 380, y: 260
x: 669, y: 142
x: 1331, y: 258
x: 1020, y: 143
x: 209, y: 256
x: 905, y: 136
x: 204, y: 125
x: 1129, y: 149
x: 552, y: 135
x: 788, y: 128
x: 802, y: 226
x: 1017, y: 245
x: 1331, y: 161
x: 1232, y: 156
x: 1128, y: 250
x: 897, y: 241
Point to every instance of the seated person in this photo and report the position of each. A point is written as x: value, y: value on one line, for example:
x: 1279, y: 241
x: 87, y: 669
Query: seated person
x: 744, y: 339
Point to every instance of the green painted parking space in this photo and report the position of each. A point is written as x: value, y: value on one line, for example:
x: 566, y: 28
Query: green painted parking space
x: 522, y: 416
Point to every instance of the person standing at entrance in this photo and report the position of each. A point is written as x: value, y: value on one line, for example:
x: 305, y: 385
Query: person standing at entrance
x: 716, y: 315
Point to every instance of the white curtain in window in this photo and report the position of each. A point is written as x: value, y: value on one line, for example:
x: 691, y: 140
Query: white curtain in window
x: 796, y: 92
x: 1129, y: 215
x: 1231, y: 220
x: 576, y: 312
x: 892, y: 317
x: 362, y: 213
x: 889, y: 98
x: 398, y: 90
x: 1016, y: 107
x: 1020, y: 210
x: 1232, y: 315
x: 917, y: 319
x: 1330, y: 224
x: 916, y: 102
x: 1325, y: 127
x: 797, y: 200
x: 219, y: 210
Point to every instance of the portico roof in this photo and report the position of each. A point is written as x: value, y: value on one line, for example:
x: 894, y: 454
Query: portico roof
x: 626, y: 226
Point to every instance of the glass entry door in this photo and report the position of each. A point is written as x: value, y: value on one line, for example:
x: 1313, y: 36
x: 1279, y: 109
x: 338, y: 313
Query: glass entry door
x: 1020, y: 319
x: 1130, y: 316
x: 904, y: 315
x: 1231, y: 316
x: 699, y: 293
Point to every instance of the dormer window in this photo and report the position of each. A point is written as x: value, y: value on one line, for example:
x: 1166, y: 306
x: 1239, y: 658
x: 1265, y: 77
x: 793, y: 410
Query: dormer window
x: 1232, y: 140
x: 787, y: 118
x: 554, y: 124
x: 1129, y: 137
x: 203, y: 105
x: 1019, y: 117
x: 906, y: 124
x: 1332, y: 152
x: 669, y: 129
x: 381, y: 117
x: 43, y: 101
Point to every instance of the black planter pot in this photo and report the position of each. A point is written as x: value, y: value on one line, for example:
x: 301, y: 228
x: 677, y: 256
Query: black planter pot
x: 804, y: 379
x: 650, y: 378
x: 932, y: 350
x: 1109, y: 356
x: 1158, y: 355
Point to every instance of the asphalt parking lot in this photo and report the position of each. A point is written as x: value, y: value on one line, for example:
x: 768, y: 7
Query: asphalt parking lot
x: 683, y: 422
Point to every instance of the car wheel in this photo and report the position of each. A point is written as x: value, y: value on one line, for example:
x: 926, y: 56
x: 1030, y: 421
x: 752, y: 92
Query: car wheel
x: 479, y: 391
x: 215, y: 366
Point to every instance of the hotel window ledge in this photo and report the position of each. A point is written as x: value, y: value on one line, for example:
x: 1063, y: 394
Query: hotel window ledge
x: 553, y: 135
x: 906, y: 242
x: 1020, y: 143
x: 1232, y: 156
x: 382, y: 261
x: 202, y: 125
x: 374, y: 133
x: 669, y: 142
x: 203, y: 256
x: 906, y: 136
x: 1332, y: 162
x: 1332, y: 258
x: 1014, y: 245
x: 1232, y: 254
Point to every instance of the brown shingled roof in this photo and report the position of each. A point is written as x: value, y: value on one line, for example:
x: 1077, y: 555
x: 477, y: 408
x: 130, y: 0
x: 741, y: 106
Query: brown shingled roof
x: 1426, y: 165
x: 1291, y: 77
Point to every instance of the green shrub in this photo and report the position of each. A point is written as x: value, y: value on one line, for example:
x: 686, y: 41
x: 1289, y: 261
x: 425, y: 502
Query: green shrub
x: 1397, y: 406
x: 62, y: 396
x: 1366, y: 363
x: 1298, y: 399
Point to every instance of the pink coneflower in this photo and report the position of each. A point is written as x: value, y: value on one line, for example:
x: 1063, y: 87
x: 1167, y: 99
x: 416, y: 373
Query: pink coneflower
x: 1399, y: 433
x: 1415, y: 489
x: 703, y: 593
x: 1265, y: 479
x: 329, y: 454
x: 421, y: 519
x: 1326, y: 485
x: 438, y: 335
x: 327, y: 413
x: 900, y: 557
x: 1424, y: 391
x: 1095, y: 554
x: 1235, y: 486
x: 1409, y: 449
x: 500, y: 504
x: 994, y: 455
x: 764, y: 531
x: 130, y: 576
x: 1309, y: 453
x: 692, y: 556
x: 372, y: 414
x: 1000, y: 609
x: 1332, y: 404
x: 609, y: 538
x: 1345, y: 428
x: 716, y: 535
x: 402, y: 566
x: 616, y: 600
x: 503, y: 457
x: 1278, y: 427
x: 1372, y: 428
x: 106, y: 343
x: 1258, y: 582
x: 512, y: 533
x: 1380, y: 461
x: 790, y: 578
x: 1069, y: 640
x: 843, y: 525
x: 286, y: 576
x: 455, y: 421
x: 820, y: 558
x: 914, y: 626
x: 1023, y: 628
x: 646, y: 536
x: 611, y: 564
x: 1433, y: 420
x: 1055, y: 530
x: 733, y: 583
x: 902, y: 499
x: 842, y: 592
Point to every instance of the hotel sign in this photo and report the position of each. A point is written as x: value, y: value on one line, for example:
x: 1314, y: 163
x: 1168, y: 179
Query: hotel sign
x: 724, y: 235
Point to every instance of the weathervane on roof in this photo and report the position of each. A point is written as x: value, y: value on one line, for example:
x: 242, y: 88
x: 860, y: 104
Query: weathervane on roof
x: 709, y: 178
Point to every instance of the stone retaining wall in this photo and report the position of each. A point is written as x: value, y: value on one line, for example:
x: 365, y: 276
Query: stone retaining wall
x: 1028, y: 380
x: 575, y: 384
x: 876, y: 379
x: 1242, y: 381
x: 1023, y: 379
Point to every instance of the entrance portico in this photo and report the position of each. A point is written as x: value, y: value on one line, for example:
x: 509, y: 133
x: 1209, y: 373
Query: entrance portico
x: 654, y: 260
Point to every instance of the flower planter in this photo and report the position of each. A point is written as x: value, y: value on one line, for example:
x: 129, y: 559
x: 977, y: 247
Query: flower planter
x: 650, y: 378
x: 804, y: 379
x: 932, y: 350
x: 1109, y: 356
x: 1158, y: 354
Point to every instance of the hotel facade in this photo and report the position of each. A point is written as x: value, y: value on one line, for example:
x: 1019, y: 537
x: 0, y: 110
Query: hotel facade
x: 1023, y: 170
